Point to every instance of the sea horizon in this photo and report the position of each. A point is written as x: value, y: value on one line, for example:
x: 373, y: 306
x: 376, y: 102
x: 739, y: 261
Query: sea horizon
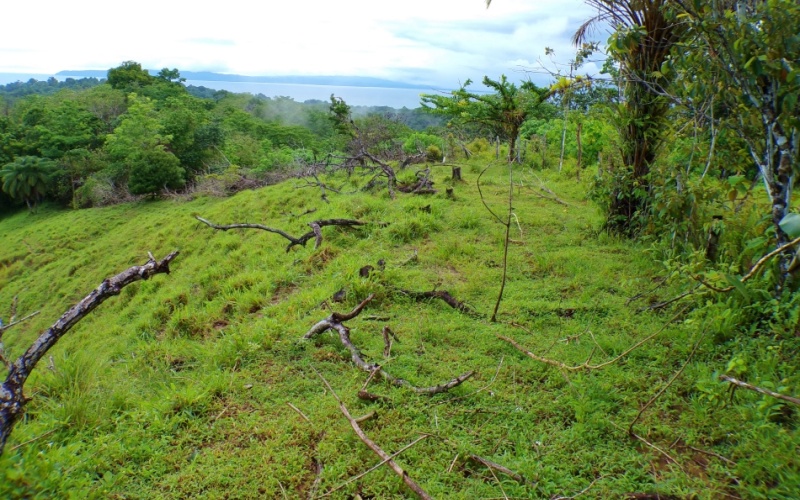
x: 354, y: 95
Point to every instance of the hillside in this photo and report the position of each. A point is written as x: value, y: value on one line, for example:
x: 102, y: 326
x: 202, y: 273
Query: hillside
x: 198, y: 384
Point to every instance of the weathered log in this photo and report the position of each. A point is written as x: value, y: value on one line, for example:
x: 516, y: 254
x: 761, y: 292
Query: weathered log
x: 12, y: 398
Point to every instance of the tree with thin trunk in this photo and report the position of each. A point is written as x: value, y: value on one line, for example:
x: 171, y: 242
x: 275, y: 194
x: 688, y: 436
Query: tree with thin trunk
x: 749, y: 50
x: 501, y: 113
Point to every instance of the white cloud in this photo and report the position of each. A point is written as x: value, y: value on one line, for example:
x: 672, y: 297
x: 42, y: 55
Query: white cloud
x: 431, y: 41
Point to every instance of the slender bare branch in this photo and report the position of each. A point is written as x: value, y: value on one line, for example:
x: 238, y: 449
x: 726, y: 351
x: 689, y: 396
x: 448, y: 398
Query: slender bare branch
x: 316, y: 229
x: 753, y: 270
x: 586, y: 364
x: 3, y: 328
x: 760, y: 390
x: 374, y: 447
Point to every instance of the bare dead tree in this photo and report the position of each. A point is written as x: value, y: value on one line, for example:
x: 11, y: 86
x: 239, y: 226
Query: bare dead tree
x: 12, y: 398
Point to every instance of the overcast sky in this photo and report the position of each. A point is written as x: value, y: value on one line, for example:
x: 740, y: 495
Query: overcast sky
x: 431, y: 42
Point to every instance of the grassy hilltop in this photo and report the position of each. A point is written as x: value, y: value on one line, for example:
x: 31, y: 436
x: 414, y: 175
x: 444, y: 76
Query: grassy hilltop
x: 197, y: 384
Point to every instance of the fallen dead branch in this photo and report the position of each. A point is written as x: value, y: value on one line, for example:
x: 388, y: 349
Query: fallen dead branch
x: 661, y: 305
x: 585, y: 365
x: 759, y: 389
x: 491, y: 382
x: 335, y: 322
x: 12, y: 398
x: 664, y: 389
x: 375, y: 467
x: 374, y: 447
x: 549, y: 194
x: 316, y: 229
x: 753, y: 270
x: 443, y: 295
x: 423, y: 184
x: 499, y: 468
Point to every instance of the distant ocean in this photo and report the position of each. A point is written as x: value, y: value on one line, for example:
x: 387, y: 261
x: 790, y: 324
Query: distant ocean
x: 354, y: 96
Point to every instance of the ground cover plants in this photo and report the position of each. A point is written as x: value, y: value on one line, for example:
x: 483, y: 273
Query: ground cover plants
x: 200, y: 384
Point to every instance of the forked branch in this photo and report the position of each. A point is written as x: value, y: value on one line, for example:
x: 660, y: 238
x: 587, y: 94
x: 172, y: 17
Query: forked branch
x: 335, y: 322
x: 316, y: 229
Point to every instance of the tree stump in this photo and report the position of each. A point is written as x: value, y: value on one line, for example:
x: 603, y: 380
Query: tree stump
x: 456, y: 175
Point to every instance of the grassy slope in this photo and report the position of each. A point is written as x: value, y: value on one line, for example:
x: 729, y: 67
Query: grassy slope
x: 179, y: 387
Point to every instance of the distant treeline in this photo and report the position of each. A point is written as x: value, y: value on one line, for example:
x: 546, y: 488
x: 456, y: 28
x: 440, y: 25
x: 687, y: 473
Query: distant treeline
x: 89, y: 141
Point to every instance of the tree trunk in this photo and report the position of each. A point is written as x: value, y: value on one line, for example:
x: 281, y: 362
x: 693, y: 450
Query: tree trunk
x: 512, y: 145
x: 580, y: 149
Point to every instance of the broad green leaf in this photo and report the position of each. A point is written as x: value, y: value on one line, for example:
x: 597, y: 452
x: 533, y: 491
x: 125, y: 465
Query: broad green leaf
x: 737, y: 283
x: 790, y: 224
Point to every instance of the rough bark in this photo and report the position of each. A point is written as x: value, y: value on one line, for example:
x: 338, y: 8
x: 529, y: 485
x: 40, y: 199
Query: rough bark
x: 12, y: 398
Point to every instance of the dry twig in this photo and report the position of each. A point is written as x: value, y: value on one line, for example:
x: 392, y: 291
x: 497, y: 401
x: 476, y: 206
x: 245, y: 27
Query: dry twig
x: 374, y: 447
x: 585, y: 365
x: 759, y: 389
x: 296, y: 409
x: 753, y: 270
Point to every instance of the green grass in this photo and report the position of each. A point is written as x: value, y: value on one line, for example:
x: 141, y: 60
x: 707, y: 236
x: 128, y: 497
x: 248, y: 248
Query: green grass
x: 179, y: 387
